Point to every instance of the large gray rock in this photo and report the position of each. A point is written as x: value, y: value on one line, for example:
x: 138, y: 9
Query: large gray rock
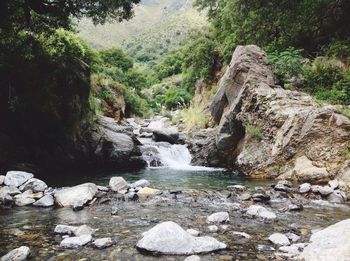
x: 45, y: 201
x: 75, y: 242
x: 219, y: 217
x: 331, y: 243
x: 118, y: 184
x: 17, y: 178
x: 36, y: 185
x: 304, y: 188
x: 261, y: 212
x: 170, y: 238
x: 17, y: 254
x: 166, y: 135
x: 80, y: 194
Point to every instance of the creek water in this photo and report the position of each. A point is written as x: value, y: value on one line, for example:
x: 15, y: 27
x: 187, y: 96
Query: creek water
x: 203, y: 193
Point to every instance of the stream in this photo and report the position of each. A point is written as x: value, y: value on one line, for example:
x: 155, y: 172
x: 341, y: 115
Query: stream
x: 203, y: 192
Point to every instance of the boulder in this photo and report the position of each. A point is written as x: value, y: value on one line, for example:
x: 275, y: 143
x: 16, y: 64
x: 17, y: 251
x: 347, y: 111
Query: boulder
x: 170, y: 238
x: 331, y: 243
x: 45, y: 201
x: 75, y: 242
x: 36, y: 185
x: 102, y: 243
x: 18, y: 254
x: 22, y: 201
x: 304, y: 188
x: 279, y: 239
x: 166, y: 135
x: 219, y: 217
x: 17, y: 178
x: 325, y: 190
x: 146, y: 192
x: 259, y: 211
x: 304, y: 170
x: 141, y: 183
x: 337, y: 197
x: 71, y: 196
x: 118, y: 184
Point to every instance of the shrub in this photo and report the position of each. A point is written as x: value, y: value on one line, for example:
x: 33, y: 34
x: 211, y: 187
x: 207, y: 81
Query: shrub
x: 253, y: 132
x: 177, y: 97
x: 339, y: 50
x: 115, y: 57
x: 193, y: 118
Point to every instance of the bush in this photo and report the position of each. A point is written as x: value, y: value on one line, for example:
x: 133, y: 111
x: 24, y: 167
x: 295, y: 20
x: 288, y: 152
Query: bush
x: 176, y: 97
x: 287, y: 64
x: 115, y: 57
x: 170, y: 65
x: 339, y: 50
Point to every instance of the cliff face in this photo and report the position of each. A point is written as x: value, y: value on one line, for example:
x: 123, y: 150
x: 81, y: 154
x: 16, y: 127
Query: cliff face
x: 267, y: 131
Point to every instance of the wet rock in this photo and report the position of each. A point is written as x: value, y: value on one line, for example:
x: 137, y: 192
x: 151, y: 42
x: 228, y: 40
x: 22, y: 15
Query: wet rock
x: 83, y: 230
x: 18, y: 254
x: 261, y: 197
x: 102, y: 243
x: 17, y: 178
x: 259, y: 211
x: 325, y: 190
x: 245, y: 196
x: 293, y: 250
x: 337, y: 197
x: 331, y: 243
x: 304, y: 188
x: 166, y: 135
x: 45, y: 201
x: 193, y: 232
x: 236, y: 188
x: 75, y: 242
x: 141, y: 183
x: 65, y: 230
x: 283, y: 185
x: 2, y: 179
x: 242, y: 234
x: 146, y: 191
x: 334, y: 184
x: 78, y: 206
x: 118, y: 184
x: 36, y: 185
x: 72, y: 196
x: 295, y: 207
x: 213, y: 229
x: 279, y: 239
x: 170, y: 238
x: 219, y: 217
x: 114, y: 211
x: 192, y: 258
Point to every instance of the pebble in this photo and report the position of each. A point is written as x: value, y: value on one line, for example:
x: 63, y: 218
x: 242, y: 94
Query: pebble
x: 213, y: 228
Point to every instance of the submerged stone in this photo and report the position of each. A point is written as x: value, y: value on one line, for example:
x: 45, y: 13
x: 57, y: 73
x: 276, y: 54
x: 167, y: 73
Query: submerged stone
x: 76, y: 242
x: 17, y: 254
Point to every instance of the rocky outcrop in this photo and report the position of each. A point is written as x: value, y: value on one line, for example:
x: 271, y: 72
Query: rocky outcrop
x: 266, y: 130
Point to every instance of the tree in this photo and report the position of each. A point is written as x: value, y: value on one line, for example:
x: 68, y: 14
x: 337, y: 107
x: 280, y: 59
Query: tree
x: 115, y: 57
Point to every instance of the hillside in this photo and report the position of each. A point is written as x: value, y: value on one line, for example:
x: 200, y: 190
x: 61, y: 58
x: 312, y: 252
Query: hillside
x: 157, y: 27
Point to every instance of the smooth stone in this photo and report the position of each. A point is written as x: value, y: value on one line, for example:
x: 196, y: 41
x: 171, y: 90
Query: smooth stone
x: 219, y: 217
x: 83, y: 230
x: 213, y: 229
x: 65, y: 230
x: 315, y: 188
x: 304, y: 188
x: 18, y: 254
x: 334, y: 184
x: 102, y: 243
x: 22, y: 201
x: 331, y: 243
x: 76, y: 242
x: 17, y: 178
x: 325, y: 190
x: 45, y: 201
x: 141, y: 183
x: 118, y: 184
x: 36, y: 185
x: 192, y: 258
x: 242, y: 234
x: 279, y: 239
x: 170, y: 238
x: 72, y: 196
x: 2, y: 179
x: 337, y: 197
x: 259, y: 211
x: 146, y: 191
x: 193, y: 232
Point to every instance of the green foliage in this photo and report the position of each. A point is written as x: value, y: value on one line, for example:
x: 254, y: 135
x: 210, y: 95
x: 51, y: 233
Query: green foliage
x: 253, y: 132
x: 339, y: 50
x: 136, y: 105
x: 177, y: 97
x: 170, y: 65
x: 287, y: 64
x: 115, y: 57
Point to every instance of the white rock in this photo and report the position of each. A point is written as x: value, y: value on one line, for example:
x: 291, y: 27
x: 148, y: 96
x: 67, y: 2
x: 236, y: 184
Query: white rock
x: 141, y: 183
x: 2, y: 179
x: 304, y: 188
x: 259, y: 211
x: 17, y: 178
x: 45, y: 201
x: 193, y: 232
x: 219, y: 217
x: 63, y: 229
x: 76, y: 195
x: 22, y: 201
x: 103, y: 242
x: 334, y: 184
x: 305, y: 170
x: 279, y: 239
x: 170, y: 238
x: 83, y: 230
x: 337, y: 197
x: 331, y: 243
x: 103, y: 188
x: 17, y: 254
x: 36, y: 185
x: 242, y: 234
x: 293, y: 237
x: 192, y: 258
x: 325, y: 190
x: 146, y: 192
x: 75, y: 242
x: 118, y: 183
x: 213, y: 228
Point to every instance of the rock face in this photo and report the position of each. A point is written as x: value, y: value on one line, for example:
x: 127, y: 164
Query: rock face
x: 76, y: 195
x: 331, y: 243
x: 170, y: 238
x: 263, y: 129
x: 17, y: 254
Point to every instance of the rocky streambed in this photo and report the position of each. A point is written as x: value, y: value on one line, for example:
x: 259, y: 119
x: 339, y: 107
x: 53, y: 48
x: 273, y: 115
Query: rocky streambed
x: 108, y: 221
